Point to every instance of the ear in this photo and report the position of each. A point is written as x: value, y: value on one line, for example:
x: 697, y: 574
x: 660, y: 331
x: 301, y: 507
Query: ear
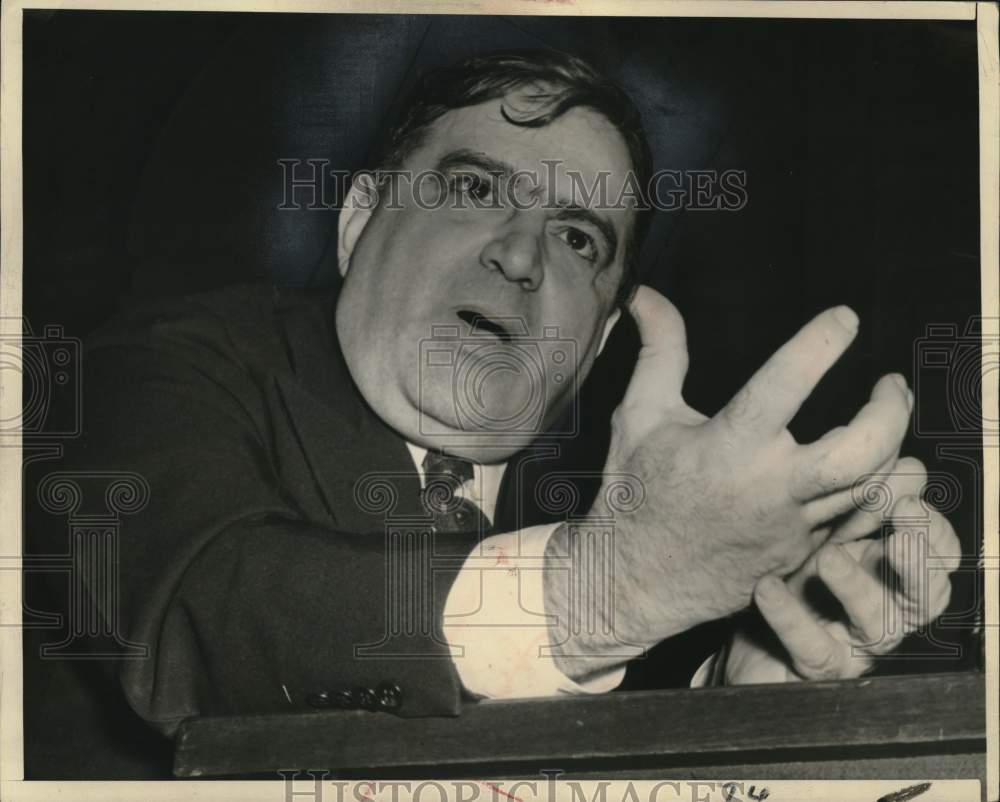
x: 356, y: 211
x: 608, y: 326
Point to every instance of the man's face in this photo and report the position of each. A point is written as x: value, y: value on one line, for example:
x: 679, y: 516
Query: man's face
x: 540, y: 280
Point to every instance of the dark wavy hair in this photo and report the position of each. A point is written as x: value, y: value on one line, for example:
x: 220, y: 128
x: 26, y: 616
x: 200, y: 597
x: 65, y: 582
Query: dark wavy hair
x: 553, y: 82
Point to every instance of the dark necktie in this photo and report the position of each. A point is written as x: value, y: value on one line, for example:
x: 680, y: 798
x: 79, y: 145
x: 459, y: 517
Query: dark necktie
x: 442, y: 495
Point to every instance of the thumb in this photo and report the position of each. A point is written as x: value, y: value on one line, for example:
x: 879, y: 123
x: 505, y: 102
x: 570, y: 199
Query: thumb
x: 663, y: 359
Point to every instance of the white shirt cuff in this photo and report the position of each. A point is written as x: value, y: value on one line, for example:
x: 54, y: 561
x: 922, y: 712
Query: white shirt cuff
x: 496, y: 626
x: 703, y: 676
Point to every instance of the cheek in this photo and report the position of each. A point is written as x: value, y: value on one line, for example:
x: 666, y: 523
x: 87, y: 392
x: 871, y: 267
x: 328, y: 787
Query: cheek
x: 428, y: 244
x: 393, y: 262
x: 576, y: 308
x: 606, y: 285
x: 588, y: 287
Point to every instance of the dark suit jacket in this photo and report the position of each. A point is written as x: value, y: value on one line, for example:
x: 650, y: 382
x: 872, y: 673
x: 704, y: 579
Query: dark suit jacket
x: 253, y: 570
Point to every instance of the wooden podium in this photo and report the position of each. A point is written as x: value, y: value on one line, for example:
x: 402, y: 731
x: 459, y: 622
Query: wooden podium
x: 923, y: 726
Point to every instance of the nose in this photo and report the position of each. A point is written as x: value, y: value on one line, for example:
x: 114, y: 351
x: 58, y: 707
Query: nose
x: 517, y: 255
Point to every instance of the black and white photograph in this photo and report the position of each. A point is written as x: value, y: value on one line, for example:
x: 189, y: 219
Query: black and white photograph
x: 526, y: 402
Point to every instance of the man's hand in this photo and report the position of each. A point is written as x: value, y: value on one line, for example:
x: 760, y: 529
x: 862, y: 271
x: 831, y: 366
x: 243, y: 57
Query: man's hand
x: 882, y: 590
x: 727, y: 500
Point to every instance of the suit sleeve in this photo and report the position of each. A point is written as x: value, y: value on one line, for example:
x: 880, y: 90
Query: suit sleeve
x: 246, y: 605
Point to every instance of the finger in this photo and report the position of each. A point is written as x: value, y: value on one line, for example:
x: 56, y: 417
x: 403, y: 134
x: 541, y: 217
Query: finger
x: 835, y: 461
x: 943, y: 542
x: 867, y: 503
x: 826, y: 508
x: 814, y: 653
x: 864, y: 598
x: 877, y: 494
x: 775, y: 392
x: 663, y: 359
x: 922, y: 553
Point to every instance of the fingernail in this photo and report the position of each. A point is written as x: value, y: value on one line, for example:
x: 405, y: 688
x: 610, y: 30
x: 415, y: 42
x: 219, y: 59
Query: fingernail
x: 845, y: 317
x: 900, y: 380
x: 909, y: 398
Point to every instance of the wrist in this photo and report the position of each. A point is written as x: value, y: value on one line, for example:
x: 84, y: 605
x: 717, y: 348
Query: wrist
x: 578, y: 590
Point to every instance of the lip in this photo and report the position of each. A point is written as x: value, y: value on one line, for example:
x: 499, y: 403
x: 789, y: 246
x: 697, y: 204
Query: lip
x: 482, y: 322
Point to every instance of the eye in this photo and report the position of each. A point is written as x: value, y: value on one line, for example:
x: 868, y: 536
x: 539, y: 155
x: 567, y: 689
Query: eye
x: 472, y: 184
x: 580, y: 242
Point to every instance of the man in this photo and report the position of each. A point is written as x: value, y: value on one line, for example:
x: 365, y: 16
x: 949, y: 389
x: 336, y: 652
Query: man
x: 266, y: 574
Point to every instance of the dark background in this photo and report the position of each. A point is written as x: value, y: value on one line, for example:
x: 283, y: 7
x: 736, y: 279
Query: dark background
x: 151, y: 143
x: 152, y: 139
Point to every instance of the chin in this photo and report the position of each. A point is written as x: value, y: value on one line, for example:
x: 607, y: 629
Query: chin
x: 485, y: 434
x: 486, y: 448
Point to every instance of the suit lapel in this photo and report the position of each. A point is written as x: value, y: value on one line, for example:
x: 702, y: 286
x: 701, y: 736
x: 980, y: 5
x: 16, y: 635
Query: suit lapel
x: 350, y: 452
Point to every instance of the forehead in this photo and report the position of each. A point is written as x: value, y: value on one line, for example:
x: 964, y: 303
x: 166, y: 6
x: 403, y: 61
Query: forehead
x: 581, y: 141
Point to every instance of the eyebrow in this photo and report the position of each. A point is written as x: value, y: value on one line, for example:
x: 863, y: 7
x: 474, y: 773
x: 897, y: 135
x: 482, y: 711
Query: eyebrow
x: 464, y: 157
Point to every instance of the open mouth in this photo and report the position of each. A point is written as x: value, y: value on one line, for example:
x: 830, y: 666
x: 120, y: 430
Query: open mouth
x: 480, y: 324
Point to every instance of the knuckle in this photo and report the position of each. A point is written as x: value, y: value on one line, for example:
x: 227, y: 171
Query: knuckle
x: 872, y: 637
x: 834, y: 566
x: 882, y: 643
x: 820, y: 664
x: 824, y: 476
x: 868, y: 629
x: 912, y: 469
x: 744, y: 408
x: 794, y: 554
x: 945, y: 542
x: 909, y: 506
